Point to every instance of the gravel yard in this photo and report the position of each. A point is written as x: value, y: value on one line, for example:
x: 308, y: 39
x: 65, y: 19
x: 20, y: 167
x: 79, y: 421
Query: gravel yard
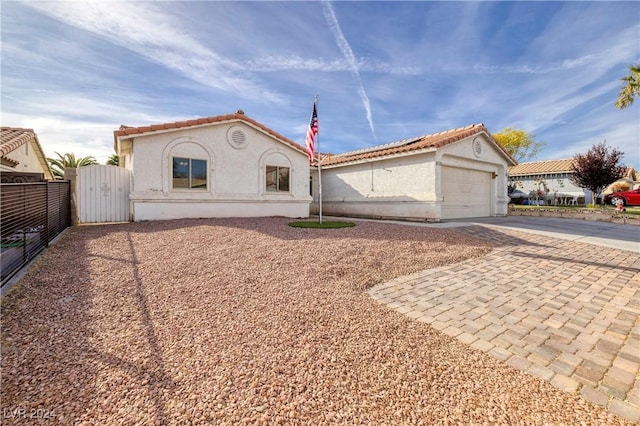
x: 234, y: 321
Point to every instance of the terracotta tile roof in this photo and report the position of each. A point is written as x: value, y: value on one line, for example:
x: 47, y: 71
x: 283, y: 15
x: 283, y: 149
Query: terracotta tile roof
x: 133, y: 131
x: 435, y: 140
x: 12, y: 138
x: 541, y: 167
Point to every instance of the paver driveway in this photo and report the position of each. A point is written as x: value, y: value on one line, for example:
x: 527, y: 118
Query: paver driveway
x: 564, y: 311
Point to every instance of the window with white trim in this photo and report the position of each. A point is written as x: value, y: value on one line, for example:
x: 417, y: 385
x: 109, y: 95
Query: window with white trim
x: 189, y: 173
x: 277, y: 179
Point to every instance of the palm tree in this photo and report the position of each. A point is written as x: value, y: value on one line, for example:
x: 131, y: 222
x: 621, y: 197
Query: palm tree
x: 68, y: 160
x: 114, y: 160
x: 631, y: 88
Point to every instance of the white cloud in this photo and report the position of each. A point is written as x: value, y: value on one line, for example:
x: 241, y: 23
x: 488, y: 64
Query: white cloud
x: 82, y: 138
x: 70, y: 127
x: 294, y: 62
x: 622, y: 135
x: 346, y: 50
x: 546, y: 68
x: 154, y: 34
x: 574, y: 83
x: 452, y: 64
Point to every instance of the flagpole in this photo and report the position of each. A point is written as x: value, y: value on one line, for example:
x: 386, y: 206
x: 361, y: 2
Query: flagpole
x: 319, y: 168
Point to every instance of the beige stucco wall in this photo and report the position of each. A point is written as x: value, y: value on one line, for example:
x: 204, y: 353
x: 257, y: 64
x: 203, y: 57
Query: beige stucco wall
x: 409, y: 185
x: 558, y: 184
x: 394, y: 187
x: 236, y: 175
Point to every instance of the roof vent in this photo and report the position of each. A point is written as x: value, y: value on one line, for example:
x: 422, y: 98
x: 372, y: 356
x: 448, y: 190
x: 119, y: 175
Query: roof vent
x: 236, y: 137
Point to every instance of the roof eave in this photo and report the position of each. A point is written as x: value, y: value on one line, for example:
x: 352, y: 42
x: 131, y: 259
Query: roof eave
x: 10, y: 162
x: 379, y: 158
x: 501, y: 149
x: 43, y: 159
x: 121, y: 135
x: 541, y: 173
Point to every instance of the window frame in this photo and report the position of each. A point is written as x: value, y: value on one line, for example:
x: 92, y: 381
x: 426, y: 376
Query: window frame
x: 190, y: 175
x: 270, y: 169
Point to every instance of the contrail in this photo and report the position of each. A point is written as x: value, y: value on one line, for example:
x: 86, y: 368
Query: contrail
x: 343, y: 44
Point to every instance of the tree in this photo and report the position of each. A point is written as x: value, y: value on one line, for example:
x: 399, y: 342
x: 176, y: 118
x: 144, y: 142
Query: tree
x: 114, y: 160
x: 630, y: 89
x: 520, y: 144
x: 597, y: 168
x: 68, y: 160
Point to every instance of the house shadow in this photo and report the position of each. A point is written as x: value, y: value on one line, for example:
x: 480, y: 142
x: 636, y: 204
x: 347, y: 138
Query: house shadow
x: 46, y: 324
x: 71, y: 344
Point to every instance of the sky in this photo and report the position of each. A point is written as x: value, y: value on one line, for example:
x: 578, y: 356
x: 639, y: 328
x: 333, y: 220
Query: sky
x: 382, y: 71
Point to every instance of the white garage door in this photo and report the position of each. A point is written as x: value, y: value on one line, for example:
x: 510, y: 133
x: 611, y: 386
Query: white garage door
x: 467, y: 193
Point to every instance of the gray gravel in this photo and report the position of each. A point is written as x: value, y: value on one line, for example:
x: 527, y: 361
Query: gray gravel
x: 235, y: 321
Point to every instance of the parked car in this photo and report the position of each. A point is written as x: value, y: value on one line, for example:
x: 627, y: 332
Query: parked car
x: 629, y: 198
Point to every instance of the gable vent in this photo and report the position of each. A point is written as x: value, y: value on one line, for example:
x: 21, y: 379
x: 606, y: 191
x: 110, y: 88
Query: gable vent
x: 236, y: 137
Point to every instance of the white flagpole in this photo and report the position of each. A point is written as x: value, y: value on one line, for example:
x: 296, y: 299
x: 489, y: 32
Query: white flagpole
x: 319, y: 169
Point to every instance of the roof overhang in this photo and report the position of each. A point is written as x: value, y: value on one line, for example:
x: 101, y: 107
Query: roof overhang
x: 25, y: 136
x: 379, y: 158
x: 130, y: 133
x: 6, y: 161
x: 403, y: 150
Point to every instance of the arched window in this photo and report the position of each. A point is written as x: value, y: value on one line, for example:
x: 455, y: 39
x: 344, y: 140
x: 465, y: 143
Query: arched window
x: 277, y: 172
x: 188, y: 164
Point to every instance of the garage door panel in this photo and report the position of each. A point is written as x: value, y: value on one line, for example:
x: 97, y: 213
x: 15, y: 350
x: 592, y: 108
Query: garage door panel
x: 467, y: 193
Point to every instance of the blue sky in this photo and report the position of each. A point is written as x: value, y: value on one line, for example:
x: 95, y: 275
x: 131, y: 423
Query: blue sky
x: 383, y: 71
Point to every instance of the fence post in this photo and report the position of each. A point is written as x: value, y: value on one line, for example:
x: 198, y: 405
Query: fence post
x: 48, y: 212
x: 71, y: 174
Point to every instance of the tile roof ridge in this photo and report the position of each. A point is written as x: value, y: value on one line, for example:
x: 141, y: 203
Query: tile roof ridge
x: 16, y: 141
x: 406, y: 141
x: 457, y: 129
x: 454, y: 130
x: 11, y: 141
x: 24, y: 129
x: 546, y: 161
x: 237, y: 116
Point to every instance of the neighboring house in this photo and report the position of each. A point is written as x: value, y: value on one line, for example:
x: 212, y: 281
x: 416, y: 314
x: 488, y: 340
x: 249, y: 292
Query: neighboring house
x: 549, y: 181
x: 460, y: 173
x: 21, y: 156
x: 223, y: 166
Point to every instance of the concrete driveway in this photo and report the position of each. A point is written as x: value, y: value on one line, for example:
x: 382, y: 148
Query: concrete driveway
x: 613, y: 235
x: 557, y: 298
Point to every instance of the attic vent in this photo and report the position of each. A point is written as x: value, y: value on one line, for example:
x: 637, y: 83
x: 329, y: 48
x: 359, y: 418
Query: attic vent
x: 477, y: 147
x: 236, y: 137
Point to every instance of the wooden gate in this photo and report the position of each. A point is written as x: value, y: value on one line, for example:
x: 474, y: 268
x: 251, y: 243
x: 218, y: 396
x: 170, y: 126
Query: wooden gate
x: 103, y: 194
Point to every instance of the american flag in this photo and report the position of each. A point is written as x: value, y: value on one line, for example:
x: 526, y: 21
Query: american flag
x: 311, y: 133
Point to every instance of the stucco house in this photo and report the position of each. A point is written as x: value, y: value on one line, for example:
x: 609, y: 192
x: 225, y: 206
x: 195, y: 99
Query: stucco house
x: 458, y: 173
x: 548, y: 181
x: 21, y: 156
x: 222, y: 166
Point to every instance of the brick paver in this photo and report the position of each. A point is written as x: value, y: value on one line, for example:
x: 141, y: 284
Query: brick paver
x: 564, y: 311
